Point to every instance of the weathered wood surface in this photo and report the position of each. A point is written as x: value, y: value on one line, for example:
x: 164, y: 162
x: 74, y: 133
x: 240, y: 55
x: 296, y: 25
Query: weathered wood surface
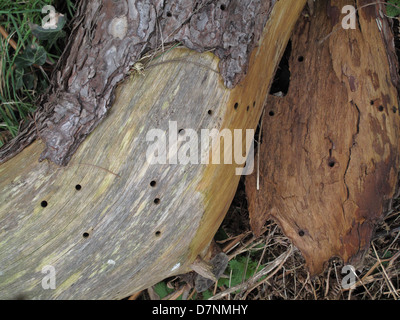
x: 108, y: 238
x: 107, y: 39
x: 330, y: 147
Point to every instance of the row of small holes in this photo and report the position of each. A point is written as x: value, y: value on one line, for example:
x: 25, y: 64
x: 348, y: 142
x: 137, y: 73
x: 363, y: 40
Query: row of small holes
x: 182, y: 131
x: 156, y: 201
x: 44, y: 203
x: 153, y: 183
x: 381, y: 108
x: 79, y: 187
x: 236, y: 106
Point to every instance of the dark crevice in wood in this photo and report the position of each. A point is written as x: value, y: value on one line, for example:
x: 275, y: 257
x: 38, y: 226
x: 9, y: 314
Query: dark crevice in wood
x: 282, y: 76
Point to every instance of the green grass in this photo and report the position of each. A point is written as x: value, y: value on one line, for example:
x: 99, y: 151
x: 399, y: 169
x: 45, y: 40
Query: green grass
x: 25, y: 74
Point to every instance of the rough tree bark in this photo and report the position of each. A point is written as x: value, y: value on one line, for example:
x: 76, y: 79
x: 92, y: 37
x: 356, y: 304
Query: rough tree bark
x: 109, y: 37
x: 107, y: 221
x: 330, y: 148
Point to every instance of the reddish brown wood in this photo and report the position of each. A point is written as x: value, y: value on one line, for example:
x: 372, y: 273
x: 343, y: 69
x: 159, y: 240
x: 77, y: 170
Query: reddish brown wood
x: 330, y: 148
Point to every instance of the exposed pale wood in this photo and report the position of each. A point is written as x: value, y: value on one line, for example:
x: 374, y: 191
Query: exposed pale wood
x: 330, y: 148
x: 109, y: 239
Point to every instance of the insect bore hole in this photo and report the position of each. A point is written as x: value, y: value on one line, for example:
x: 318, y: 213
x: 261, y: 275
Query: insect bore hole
x: 236, y: 106
x: 301, y: 233
x: 157, y: 201
x: 223, y: 7
x: 380, y: 108
x: 44, y: 204
x: 331, y: 163
x: 85, y: 235
x: 158, y: 233
x: 78, y: 187
x: 153, y: 183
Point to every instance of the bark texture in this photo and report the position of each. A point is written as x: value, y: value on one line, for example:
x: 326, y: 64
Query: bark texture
x: 110, y: 36
x: 330, y: 148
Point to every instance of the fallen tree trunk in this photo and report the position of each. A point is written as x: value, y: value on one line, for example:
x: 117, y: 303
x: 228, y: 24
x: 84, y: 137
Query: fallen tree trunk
x: 329, y: 158
x: 109, y: 37
x: 108, y: 222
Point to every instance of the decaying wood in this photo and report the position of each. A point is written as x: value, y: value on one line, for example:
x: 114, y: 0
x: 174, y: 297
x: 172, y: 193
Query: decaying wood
x: 110, y: 36
x: 96, y: 220
x: 330, y: 147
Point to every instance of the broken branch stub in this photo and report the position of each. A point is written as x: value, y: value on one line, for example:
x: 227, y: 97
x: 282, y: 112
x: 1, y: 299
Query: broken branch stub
x: 330, y: 147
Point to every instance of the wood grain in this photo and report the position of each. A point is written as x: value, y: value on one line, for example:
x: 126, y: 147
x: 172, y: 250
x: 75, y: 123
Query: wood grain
x: 330, y: 147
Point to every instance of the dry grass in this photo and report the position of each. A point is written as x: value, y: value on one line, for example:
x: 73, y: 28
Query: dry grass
x: 283, y: 274
x: 379, y: 278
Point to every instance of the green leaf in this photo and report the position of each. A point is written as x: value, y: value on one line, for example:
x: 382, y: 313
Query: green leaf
x: 47, y: 33
x: 36, y: 55
x: 393, y: 11
x: 42, y: 85
x: 19, y: 74
x: 29, y: 80
x: 207, y: 294
x: 221, y: 235
x: 162, y: 290
x: 238, y: 268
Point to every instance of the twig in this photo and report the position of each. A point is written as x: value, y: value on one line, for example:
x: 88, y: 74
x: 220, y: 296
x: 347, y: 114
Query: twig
x: 327, y: 282
x: 386, y: 233
x: 135, y: 295
x: 235, y: 241
x: 367, y: 278
x: 175, y: 295
x: 387, y: 279
x: 13, y: 44
x: 276, y: 264
x: 96, y: 166
x: 5, y: 34
x: 258, y: 150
